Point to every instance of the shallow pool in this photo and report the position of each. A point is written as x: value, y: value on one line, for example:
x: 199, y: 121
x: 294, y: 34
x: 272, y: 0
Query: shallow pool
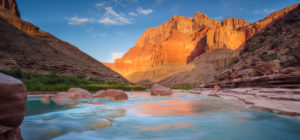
x: 180, y: 116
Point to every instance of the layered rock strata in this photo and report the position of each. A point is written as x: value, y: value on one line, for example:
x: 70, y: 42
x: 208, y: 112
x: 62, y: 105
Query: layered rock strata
x: 162, y: 50
x: 277, y: 100
x: 269, y: 59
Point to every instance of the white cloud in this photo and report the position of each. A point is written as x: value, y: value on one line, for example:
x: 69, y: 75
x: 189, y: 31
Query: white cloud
x: 265, y: 11
x: 159, y: 1
x: 121, y: 33
x: 132, y: 14
x: 98, y: 35
x: 219, y: 18
x: 107, y: 21
x: 77, y: 20
x: 114, y: 56
x: 110, y: 11
x: 113, y: 18
x: 144, y: 11
x: 99, y: 4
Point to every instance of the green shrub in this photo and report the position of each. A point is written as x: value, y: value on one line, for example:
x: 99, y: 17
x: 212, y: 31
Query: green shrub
x: 15, y: 72
x: 185, y: 87
x: 275, y: 43
x: 54, y: 82
x: 254, y: 48
x: 233, y: 61
x: 269, y: 57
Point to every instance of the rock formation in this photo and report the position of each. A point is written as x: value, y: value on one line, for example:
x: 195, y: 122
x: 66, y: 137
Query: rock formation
x: 270, y: 58
x: 73, y: 93
x: 23, y: 45
x: 277, y: 100
x: 13, y: 96
x: 160, y: 90
x: 10, y: 5
x: 112, y: 94
x: 201, y: 70
x: 162, y: 50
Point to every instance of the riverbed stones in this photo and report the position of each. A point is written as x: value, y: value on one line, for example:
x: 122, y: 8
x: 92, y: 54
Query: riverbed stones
x: 95, y: 102
x: 288, y: 70
x: 99, y: 124
x: 158, y: 90
x: 99, y: 93
x: 74, y: 93
x: 112, y: 94
x: 13, y: 98
x: 81, y: 93
x: 45, y: 99
x: 217, y: 88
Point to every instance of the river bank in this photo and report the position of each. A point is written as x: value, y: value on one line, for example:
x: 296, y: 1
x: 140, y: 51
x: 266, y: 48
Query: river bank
x: 277, y: 100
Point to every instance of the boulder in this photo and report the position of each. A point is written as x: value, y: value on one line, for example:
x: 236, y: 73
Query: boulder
x: 160, y: 90
x: 73, y: 93
x: 66, y: 102
x: 99, y: 93
x: 99, y: 124
x: 268, y: 68
x: 95, y: 102
x: 217, y: 88
x: 202, y: 86
x: 112, y: 94
x: 45, y: 99
x: 81, y: 93
x: 63, y: 95
x: 288, y: 70
x: 13, y: 97
x: 120, y: 112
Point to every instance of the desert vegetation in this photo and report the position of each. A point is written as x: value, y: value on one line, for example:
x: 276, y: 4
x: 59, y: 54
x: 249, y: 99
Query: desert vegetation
x: 54, y: 82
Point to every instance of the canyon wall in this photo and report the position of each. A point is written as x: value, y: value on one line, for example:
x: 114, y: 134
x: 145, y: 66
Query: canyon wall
x: 11, y: 5
x: 269, y: 59
x: 163, y: 50
x: 25, y: 46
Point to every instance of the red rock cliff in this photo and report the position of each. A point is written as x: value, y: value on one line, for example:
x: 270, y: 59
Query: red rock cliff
x: 11, y: 5
x: 162, y: 50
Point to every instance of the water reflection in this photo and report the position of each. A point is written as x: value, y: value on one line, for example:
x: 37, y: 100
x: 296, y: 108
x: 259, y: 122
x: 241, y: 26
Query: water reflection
x: 179, y: 116
x: 186, y: 107
x: 166, y: 126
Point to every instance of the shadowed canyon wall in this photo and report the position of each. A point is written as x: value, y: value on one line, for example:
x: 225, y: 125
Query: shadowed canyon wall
x: 23, y: 45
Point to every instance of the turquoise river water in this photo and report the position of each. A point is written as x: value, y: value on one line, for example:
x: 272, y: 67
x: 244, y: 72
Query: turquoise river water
x: 182, y: 116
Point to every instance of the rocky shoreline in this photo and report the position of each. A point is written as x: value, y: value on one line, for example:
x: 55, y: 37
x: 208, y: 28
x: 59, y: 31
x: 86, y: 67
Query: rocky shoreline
x: 278, y: 100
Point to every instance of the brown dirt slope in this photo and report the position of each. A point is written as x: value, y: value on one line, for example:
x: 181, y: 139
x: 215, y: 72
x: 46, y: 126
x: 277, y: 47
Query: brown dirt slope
x: 270, y: 58
x: 25, y: 46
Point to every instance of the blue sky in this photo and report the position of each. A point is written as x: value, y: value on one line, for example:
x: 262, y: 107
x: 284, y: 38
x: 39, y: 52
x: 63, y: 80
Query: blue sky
x: 106, y: 29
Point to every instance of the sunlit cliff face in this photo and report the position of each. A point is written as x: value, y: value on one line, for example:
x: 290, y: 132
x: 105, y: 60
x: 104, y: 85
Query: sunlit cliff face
x: 162, y: 50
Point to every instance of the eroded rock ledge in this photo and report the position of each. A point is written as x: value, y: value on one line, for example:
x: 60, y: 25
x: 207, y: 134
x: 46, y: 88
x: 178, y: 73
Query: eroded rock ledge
x: 277, y: 100
x: 291, y: 80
